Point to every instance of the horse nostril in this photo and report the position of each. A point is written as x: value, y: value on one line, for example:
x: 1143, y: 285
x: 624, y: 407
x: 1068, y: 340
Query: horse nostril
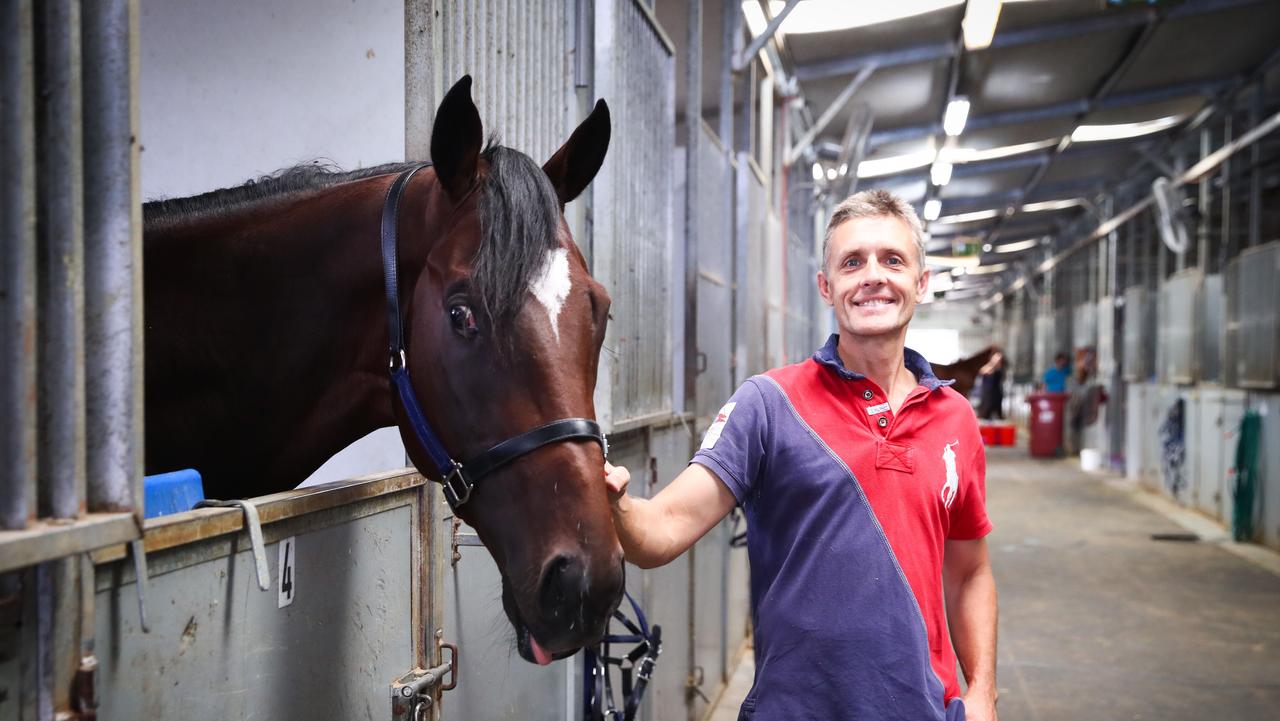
x: 562, y: 584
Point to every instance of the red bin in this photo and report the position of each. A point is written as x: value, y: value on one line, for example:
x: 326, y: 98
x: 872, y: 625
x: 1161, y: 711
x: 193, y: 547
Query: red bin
x: 1046, y: 423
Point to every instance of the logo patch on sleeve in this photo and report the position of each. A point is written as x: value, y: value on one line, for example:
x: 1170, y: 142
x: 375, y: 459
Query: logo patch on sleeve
x: 717, y: 427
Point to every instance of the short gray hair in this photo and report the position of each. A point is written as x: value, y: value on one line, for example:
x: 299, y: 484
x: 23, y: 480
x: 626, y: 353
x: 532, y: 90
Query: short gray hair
x: 875, y: 204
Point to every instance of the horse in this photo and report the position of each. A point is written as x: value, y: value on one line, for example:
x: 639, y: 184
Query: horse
x: 268, y: 335
x: 964, y: 371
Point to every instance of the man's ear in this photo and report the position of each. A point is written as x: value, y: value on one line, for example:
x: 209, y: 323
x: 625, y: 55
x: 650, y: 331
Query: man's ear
x: 824, y: 288
x: 455, y: 140
x: 922, y: 286
x: 576, y: 163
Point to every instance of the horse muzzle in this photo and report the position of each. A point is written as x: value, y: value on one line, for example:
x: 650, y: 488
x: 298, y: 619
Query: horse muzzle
x: 569, y: 607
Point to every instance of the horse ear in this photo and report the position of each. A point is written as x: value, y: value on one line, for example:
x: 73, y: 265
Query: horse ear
x: 455, y: 140
x: 578, y: 160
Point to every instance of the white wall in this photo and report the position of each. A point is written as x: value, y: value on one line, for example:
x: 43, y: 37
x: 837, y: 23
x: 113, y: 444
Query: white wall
x: 234, y: 89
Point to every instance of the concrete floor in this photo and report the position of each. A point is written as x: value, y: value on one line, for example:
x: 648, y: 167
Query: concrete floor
x: 1099, y: 621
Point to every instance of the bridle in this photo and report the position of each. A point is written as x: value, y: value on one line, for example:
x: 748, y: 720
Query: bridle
x: 458, y: 479
x: 636, y: 668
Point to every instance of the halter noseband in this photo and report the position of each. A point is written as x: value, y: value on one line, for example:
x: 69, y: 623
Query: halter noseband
x: 457, y: 479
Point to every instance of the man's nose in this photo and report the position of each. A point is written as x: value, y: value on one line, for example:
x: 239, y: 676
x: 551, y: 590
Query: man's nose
x: 873, y: 273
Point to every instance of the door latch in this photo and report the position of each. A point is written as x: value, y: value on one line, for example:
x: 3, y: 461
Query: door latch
x: 413, y: 694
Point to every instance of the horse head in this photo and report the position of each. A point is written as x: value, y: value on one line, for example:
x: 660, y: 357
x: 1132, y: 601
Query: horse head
x: 504, y: 326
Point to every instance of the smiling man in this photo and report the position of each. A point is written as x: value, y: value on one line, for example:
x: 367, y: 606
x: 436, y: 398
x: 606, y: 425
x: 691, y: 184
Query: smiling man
x: 862, y: 477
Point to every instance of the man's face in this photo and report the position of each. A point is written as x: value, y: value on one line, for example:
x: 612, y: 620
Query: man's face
x: 872, y: 276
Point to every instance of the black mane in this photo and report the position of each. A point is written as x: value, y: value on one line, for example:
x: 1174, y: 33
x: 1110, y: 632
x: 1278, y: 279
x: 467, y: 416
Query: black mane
x: 519, y: 219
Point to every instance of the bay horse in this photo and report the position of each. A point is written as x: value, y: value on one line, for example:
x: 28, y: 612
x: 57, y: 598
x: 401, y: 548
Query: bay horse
x: 267, y: 341
x: 964, y: 371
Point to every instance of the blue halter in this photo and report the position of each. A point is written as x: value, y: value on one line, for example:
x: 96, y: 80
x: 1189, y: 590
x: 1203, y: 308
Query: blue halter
x: 458, y: 479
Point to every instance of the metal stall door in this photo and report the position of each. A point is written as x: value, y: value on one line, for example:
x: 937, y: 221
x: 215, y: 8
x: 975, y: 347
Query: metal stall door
x: 751, y: 297
x: 714, y: 333
x: 1258, y: 363
x: 1178, y: 327
x: 632, y: 203
x: 318, y: 624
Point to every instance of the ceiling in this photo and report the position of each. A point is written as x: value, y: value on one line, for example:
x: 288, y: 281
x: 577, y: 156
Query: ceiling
x: 1053, y: 66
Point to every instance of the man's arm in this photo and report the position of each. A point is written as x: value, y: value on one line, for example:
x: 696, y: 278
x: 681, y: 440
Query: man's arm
x: 970, y: 590
x: 653, y: 531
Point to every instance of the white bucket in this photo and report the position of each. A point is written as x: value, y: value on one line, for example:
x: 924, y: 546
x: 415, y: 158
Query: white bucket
x: 1090, y: 460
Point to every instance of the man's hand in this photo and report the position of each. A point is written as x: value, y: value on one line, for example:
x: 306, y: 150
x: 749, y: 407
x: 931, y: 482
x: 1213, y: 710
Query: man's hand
x: 616, y: 479
x: 979, y: 705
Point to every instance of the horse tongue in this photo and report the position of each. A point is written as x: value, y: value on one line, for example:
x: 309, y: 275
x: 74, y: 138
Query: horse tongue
x: 540, y: 654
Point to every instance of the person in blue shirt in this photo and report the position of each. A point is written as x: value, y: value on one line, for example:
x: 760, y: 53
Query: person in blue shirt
x: 1055, y: 379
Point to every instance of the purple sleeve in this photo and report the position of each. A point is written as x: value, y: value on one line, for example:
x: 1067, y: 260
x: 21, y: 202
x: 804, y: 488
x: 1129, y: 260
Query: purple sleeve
x: 734, y: 446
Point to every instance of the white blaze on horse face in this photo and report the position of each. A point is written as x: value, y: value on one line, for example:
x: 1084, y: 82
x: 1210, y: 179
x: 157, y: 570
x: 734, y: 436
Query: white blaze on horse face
x: 953, y: 478
x: 551, y: 286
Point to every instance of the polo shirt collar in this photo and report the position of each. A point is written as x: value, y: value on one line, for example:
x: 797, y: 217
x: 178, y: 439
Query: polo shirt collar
x: 829, y: 356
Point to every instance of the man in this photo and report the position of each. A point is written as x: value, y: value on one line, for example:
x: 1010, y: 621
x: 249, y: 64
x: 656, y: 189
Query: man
x: 1055, y: 378
x: 862, y: 478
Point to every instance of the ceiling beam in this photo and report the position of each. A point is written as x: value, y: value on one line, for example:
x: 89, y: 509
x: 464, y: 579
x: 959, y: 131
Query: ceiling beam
x: 1058, y: 110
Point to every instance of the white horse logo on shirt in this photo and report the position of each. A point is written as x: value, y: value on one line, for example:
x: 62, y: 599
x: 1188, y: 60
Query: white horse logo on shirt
x: 953, y: 479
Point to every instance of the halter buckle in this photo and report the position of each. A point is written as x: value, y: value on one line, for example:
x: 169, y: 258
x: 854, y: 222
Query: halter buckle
x: 457, y: 490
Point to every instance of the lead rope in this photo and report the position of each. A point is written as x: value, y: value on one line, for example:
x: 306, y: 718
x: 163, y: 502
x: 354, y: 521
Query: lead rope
x: 636, y: 668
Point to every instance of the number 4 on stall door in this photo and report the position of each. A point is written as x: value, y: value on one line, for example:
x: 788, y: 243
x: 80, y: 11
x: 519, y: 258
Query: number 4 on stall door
x: 286, y: 565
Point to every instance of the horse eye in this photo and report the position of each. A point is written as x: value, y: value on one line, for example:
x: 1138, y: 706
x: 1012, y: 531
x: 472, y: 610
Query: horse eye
x: 464, y: 321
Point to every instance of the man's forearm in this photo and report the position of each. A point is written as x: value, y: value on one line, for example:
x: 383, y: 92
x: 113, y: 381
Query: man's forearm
x: 639, y: 523
x: 972, y: 615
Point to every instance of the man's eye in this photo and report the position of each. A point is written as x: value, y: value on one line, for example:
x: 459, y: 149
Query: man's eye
x: 463, y: 321
x: 894, y: 260
x: 851, y: 263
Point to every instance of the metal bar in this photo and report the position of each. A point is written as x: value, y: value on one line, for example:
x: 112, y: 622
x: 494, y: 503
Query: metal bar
x: 18, y: 264
x: 693, y: 141
x: 740, y: 61
x: 730, y: 37
x: 61, y: 463
x: 836, y: 106
x: 1201, y: 169
x: 1256, y: 108
x: 113, y: 259
x: 887, y: 59
x: 43, y: 541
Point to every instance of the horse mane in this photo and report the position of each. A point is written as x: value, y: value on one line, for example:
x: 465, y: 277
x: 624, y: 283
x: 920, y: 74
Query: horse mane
x: 518, y: 207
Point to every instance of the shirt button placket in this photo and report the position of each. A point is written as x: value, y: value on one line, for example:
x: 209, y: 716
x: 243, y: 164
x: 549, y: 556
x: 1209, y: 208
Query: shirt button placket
x: 868, y: 395
x: 882, y: 422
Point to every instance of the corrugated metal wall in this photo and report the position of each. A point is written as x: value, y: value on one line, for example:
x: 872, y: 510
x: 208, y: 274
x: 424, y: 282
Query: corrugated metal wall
x: 517, y: 54
x: 632, y: 195
x: 803, y: 260
x: 1259, y: 309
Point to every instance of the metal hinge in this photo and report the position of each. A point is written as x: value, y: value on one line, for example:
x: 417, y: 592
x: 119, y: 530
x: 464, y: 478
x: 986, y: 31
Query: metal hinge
x: 413, y: 694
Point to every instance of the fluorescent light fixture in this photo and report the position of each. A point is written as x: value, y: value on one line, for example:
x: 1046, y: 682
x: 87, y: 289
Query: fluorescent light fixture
x: 940, y: 173
x: 932, y: 208
x: 1119, y: 131
x: 1018, y: 246
x: 831, y: 173
x: 951, y: 261
x: 817, y: 171
x: 957, y: 114
x: 820, y: 16
x: 1051, y: 205
x: 984, y: 269
x: 897, y: 163
x: 969, y: 217
x: 970, y: 155
x: 979, y: 24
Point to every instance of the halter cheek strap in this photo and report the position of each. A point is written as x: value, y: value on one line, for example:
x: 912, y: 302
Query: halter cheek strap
x: 458, y: 479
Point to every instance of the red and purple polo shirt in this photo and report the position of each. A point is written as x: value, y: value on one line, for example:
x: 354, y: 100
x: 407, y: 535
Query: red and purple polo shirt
x: 849, y: 506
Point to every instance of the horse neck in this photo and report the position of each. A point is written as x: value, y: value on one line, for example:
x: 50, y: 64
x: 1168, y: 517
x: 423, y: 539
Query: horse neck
x: 267, y: 336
